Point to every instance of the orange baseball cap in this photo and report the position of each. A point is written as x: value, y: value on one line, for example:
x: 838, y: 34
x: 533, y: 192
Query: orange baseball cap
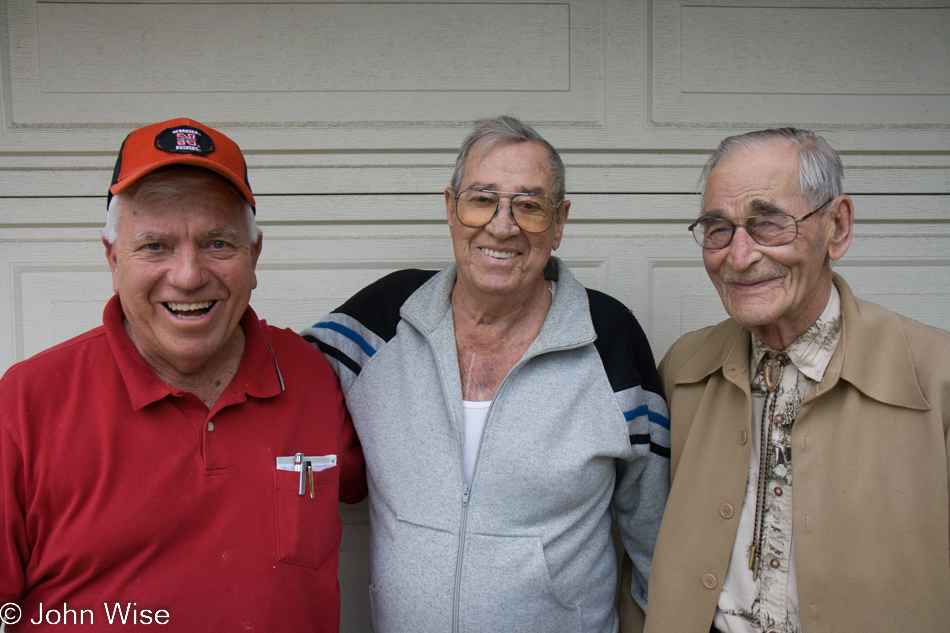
x: 179, y: 142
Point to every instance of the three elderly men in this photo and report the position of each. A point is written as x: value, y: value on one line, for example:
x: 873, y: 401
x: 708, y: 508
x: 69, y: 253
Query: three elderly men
x: 182, y: 463
x: 809, y: 431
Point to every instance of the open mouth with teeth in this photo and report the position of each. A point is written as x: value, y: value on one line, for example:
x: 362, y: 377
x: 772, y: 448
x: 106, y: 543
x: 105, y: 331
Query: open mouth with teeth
x: 498, y: 254
x: 189, y: 310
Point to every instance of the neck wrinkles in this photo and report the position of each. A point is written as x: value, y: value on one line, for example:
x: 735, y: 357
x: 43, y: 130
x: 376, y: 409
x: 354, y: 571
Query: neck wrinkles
x: 783, y: 332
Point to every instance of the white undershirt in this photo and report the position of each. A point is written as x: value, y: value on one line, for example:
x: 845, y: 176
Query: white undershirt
x: 474, y: 414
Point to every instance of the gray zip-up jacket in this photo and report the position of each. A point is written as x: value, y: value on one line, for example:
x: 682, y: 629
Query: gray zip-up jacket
x: 577, y: 429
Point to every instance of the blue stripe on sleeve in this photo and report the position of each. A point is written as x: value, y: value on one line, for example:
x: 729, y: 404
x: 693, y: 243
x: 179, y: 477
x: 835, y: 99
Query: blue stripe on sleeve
x: 651, y: 415
x: 348, y: 333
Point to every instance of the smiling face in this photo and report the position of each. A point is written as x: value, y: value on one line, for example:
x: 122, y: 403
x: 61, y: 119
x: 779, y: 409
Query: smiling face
x: 184, y: 270
x: 499, y: 259
x: 777, y: 292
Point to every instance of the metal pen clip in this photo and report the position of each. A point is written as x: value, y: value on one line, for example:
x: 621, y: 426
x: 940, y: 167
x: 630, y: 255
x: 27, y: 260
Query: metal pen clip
x: 306, y: 471
x: 310, y: 475
x: 298, y: 465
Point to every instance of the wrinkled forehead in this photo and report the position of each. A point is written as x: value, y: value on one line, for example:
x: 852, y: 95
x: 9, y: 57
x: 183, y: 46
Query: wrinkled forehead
x: 204, y: 205
x: 180, y: 181
x: 525, y: 162
x: 760, y: 181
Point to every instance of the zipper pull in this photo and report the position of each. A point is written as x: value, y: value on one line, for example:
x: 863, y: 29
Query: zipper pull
x: 465, y: 491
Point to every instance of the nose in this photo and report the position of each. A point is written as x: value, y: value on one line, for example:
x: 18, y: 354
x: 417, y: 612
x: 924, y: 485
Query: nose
x: 743, y: 250
x: 187, y: 271
x: 503, y: 224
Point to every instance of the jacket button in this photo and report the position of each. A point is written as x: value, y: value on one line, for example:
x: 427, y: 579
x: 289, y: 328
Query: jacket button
x: 709, y: 581
x: 778, y: 491
x: 779, y: 418
x: 726, y: 511
x: 743, y: 437
x: 774, y: 563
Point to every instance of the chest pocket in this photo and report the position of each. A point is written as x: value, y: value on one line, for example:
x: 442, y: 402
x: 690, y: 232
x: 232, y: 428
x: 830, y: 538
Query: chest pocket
x: 308, y: 530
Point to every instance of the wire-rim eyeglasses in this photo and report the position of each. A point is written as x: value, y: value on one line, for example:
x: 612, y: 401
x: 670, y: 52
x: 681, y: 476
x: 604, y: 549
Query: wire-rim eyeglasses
x: 774, y: 229
x: 532, y: 213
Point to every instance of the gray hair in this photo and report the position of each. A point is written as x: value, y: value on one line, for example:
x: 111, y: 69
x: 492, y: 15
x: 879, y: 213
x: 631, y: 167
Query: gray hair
x: 819, y: 166
x: 172, y: 183
x: 506, y: 129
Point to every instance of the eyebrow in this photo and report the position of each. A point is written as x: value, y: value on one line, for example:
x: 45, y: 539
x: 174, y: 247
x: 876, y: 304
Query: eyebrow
x: 148, y: 237
x: 218, y: 231
x: 222, y: 231
x: 535, y: 191
x: 758, y: 206
x: 709, y: 216
x: 765, y: 207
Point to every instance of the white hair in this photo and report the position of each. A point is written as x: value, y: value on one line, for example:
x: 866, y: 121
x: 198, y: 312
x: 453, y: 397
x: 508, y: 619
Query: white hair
x: 819, y: 166
x: 506, y: 129
x: 172, y: 183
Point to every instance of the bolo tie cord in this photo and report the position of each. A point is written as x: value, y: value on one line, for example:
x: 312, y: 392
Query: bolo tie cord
x: 772, y: 373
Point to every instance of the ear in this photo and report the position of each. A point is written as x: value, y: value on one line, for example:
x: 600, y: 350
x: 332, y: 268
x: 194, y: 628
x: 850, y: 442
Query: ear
x: 841, y: 222
x: 559, y: 223
x: 255, y: 254
x: 449, y: 204
x: 112, y: 258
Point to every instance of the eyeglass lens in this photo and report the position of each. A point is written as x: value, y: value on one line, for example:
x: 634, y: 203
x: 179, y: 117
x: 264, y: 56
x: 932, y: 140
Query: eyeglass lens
x: 533, y: 214
x: 767, y: 230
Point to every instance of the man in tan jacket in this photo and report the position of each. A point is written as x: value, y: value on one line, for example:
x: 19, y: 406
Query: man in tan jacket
x: 809, y: 432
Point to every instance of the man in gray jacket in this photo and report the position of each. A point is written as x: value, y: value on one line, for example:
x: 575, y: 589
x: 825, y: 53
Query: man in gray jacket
x: 505, y: 412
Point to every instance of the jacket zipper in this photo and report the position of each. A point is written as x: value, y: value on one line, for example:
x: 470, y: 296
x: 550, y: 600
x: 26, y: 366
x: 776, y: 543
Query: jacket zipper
x: 466, y: 488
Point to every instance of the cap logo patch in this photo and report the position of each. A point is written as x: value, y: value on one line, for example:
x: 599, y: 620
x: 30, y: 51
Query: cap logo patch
x: 184, y: 140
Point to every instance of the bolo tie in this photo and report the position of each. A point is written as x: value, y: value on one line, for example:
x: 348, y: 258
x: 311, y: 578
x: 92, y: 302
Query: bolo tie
x: 772, y: 370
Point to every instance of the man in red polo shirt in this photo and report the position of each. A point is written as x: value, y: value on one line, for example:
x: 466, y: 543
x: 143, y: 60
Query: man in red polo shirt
x: 181, y: 464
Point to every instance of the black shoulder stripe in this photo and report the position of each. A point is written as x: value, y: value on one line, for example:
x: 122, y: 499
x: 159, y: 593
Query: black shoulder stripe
x: 340, y: 356
x: 333, y: 352
x: 655, y: 448
x: 623, y: 347
x: 377, y: 305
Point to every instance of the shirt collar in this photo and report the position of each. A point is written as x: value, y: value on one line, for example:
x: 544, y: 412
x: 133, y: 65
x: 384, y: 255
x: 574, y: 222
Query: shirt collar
x: 812, y: 351
x: 258, y: 374
x: 567, y: 324
x: 872, y: 354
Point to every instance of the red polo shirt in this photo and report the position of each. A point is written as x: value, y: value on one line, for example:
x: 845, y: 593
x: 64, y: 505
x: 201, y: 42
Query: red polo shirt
x: 119, y: 490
